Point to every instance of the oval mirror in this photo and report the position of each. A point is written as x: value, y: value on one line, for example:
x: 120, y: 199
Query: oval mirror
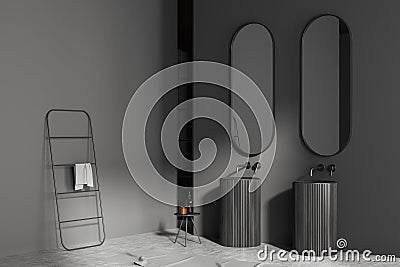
x: 252, y: 52
x: 326, y: 85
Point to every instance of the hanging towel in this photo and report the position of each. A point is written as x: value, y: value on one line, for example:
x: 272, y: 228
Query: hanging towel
x: 80, y: 176
x: 83, y: 175
x: 89, y: 174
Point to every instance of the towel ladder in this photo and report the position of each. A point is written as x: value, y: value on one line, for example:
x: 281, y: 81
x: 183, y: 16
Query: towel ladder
x: 87, y: 193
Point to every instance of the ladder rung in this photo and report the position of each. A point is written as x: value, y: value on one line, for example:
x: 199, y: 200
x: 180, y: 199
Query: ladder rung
x: 70, y: 164
x: 78, y: 192
x: 70, y: 137
x: 82, y: 219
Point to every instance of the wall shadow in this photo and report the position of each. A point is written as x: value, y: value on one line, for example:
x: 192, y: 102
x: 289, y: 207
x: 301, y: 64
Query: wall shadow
x: 211, y: 220
x: 279, y: 213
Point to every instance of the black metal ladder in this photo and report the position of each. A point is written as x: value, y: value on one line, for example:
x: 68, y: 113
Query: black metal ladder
x: 99, y: 209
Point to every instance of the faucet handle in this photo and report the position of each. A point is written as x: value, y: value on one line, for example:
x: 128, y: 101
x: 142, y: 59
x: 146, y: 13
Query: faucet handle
x: 256, y: 166
x: 331, y: 169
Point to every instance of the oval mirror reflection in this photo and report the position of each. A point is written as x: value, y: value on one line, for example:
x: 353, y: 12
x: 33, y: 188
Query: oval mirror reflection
x: 326, y: 85
x: 252, y: 52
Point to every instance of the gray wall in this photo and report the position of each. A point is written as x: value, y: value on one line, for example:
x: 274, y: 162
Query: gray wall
x: 367, y: 169
x: 88, y: 55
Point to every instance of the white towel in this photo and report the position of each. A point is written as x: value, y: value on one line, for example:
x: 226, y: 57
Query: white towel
x: 80, y: 176
x: 83, y: 175
x: 89, y: 174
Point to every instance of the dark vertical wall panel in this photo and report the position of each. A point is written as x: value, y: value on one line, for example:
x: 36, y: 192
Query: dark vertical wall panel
x: 185, y: 92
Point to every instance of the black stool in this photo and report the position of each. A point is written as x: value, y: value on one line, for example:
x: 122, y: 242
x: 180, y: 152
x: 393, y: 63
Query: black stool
x: 186, y: 217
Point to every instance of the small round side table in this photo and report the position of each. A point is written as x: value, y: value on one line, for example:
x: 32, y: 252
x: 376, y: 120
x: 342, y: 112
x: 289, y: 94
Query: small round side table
x: 186, y: 218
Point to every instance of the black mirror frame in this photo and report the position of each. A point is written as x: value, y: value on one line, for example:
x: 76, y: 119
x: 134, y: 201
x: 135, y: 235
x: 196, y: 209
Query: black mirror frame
x: 350, y: 86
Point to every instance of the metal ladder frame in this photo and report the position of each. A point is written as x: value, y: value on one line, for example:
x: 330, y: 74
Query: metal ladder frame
x: 96, y: 191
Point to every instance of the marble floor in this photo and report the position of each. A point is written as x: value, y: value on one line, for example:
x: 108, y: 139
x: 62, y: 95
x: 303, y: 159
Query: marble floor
x: 159, y: 250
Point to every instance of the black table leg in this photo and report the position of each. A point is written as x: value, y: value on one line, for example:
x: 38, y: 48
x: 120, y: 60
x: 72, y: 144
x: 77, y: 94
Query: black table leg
x: 180, y: 226
x: 194, y: 227
x: 186, y: 220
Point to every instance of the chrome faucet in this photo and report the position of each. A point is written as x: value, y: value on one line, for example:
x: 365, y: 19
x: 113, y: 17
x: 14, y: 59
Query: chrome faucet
x: 320, y: 167
x: 243, y: 166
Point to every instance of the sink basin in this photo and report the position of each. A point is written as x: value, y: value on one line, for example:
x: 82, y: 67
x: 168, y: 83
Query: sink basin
x: 315, y: 214
x: 240, y: 212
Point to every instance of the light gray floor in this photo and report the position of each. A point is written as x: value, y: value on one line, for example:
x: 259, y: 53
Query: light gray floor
x: 159, y: 249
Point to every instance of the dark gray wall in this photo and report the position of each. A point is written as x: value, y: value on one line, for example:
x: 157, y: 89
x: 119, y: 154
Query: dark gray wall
x: 88, y: 55
x: 367, y: 169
